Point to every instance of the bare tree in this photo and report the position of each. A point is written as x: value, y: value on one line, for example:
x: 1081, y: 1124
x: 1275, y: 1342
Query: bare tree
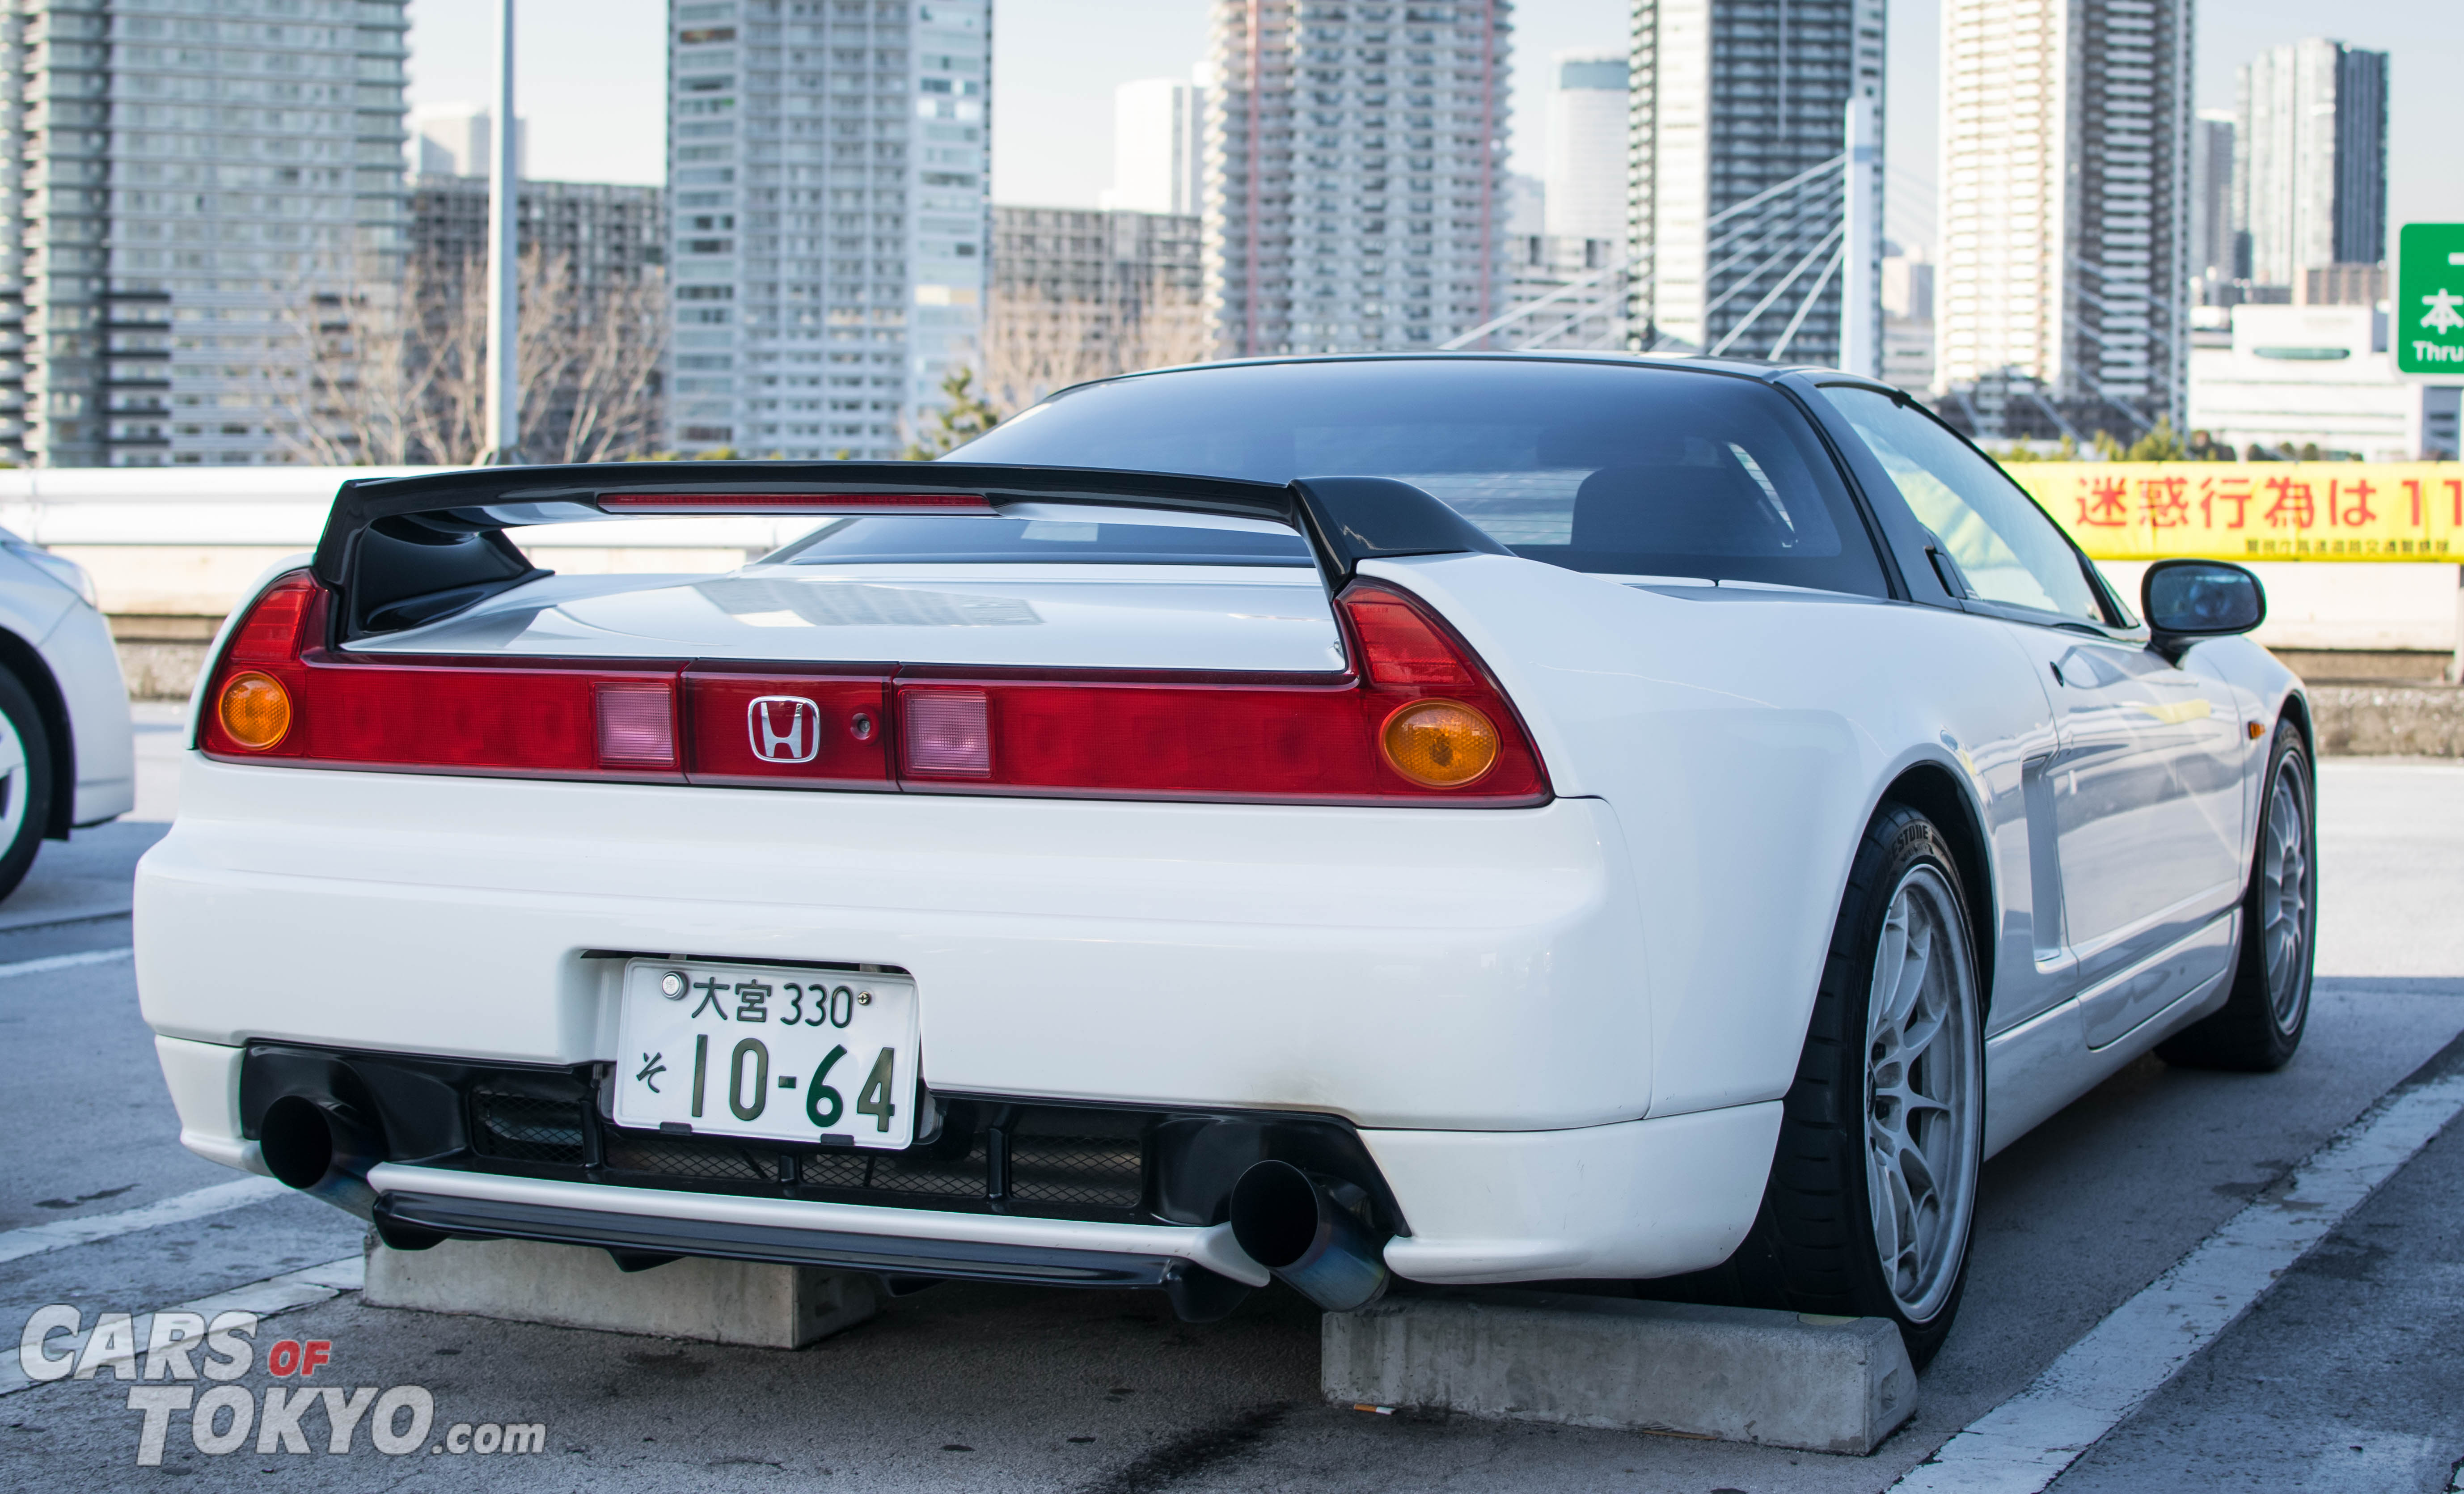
x: 397, y: 373
x: 1034, y: 344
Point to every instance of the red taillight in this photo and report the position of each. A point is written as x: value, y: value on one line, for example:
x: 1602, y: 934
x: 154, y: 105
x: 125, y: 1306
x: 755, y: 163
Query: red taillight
x: 1421, y: 723
x: 1400, y: 643
x: 550, y: 718
x: 1426, y: 725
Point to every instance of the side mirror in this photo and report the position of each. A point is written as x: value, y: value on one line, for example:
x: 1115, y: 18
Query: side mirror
x: 2185, y: 601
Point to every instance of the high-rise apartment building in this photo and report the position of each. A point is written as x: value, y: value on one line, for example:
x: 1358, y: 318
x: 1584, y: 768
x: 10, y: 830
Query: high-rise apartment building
x: 609, y: 231
x: 2216, y: 259
x: 1735, y: 204
x: 1356, y: 173
x: 829, y: 212
x: 458, y: 140
x: 1158, y: 147
x: 176, y: 182
x: 2311, y: 189
x: 1079, y: 294
x: 1587, y: 130
x: 2062, y: 293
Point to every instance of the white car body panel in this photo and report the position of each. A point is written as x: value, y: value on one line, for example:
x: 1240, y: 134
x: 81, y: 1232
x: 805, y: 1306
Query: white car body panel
x: 1373, y: 963
x: 74, y: 643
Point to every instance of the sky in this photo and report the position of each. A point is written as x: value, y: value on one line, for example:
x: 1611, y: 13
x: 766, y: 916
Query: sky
x: 591, y: 76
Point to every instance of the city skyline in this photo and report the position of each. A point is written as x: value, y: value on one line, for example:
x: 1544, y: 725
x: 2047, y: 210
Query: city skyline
x: 587, y: 65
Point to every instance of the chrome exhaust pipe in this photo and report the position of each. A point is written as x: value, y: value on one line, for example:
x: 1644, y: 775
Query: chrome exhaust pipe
x: 323, y: 1147
x: 1290, y: 1223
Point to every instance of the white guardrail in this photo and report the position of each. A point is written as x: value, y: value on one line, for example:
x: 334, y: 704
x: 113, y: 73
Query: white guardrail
x: 186, y: 541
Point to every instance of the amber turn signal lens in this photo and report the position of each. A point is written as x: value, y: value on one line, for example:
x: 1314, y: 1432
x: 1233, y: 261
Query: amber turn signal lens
x: 256, y: 710
x: 1440, y: 743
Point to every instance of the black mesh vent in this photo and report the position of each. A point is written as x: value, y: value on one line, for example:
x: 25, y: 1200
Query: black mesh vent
x: 919, y: 1172
x: 1083, y: 1172
x: 524, y: 1128
x: 690, y: 1156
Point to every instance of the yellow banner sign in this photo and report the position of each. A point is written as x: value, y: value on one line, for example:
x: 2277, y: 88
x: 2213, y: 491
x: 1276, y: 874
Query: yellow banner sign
x: 2256, y: 511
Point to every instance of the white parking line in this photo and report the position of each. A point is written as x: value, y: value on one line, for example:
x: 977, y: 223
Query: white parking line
x: 301, y: 1289
x: 221, y: 1198
x: 35, y: 967
x: 2024, y: 1444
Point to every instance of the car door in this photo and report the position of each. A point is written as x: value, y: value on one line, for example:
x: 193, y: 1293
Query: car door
x: 2141, y: 788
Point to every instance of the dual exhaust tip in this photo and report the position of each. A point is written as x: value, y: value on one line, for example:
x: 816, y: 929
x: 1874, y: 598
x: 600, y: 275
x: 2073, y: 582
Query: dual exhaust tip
x: 321, y: 1145
x: 1312, y: 1232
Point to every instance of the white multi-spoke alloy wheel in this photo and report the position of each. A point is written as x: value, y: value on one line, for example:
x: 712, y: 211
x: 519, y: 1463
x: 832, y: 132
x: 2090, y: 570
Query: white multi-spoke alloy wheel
x: 1922, y: 1095
x: 1872, y: 1193
x: 2260, y: 1027
x: 25, y: 782
x: 2283, y: 911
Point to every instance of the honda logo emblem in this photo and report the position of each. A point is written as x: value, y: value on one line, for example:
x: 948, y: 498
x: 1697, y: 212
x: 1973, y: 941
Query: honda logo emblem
x: 784, y: 729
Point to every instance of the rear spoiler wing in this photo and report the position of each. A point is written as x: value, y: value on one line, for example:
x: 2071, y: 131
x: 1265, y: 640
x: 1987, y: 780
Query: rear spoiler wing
x: 403, y: 551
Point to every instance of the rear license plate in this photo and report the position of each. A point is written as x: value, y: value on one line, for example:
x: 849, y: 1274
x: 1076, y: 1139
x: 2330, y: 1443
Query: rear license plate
x: 767, y: 1052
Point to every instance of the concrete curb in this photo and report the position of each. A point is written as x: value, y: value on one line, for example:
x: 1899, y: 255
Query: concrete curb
x: 719, y: 1302
x: 2389, y: 720
x: 1782, y: 1379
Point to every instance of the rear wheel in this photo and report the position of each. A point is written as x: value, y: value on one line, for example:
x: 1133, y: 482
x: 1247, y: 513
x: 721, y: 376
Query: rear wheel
x: 1872, y: 1193
x: 2260, y: 1025
x: 25, y: 782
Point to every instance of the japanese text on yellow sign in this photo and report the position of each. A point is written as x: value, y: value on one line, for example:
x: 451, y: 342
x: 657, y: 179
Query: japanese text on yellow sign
x: 2256, y: 511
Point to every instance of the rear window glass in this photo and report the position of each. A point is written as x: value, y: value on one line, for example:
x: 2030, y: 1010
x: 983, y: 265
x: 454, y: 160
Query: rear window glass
x: 963, y: 539
x: 1627, y: 470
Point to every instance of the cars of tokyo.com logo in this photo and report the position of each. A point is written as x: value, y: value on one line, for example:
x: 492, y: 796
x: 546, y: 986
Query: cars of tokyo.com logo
x: 166, y: 1353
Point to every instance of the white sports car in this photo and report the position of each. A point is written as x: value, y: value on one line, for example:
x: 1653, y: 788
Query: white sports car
x: 1456, y: 819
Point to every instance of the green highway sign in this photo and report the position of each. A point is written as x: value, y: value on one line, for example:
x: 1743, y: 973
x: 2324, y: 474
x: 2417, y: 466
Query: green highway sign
x: 2430, y: 298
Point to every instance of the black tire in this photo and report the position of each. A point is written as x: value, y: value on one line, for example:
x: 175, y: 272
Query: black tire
x: 2259, y: 1027
x: 25, y: 796
x: 1813, y: 1245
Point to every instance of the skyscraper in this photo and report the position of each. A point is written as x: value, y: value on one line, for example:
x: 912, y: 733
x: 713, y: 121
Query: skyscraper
x: 1587, y: 129
x: 1735, y: 202
x: 2311, y: 189
x: 175, y: 185
x: 2214, y: 241
x: 2063, y: 303
x: 455, y: 140
x: 1356, y: 173
x: 1158, y: 146
x: 830, y: 211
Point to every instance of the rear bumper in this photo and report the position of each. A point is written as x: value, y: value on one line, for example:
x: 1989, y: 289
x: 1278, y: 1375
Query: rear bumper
x: 1643, y: 1199
x: 1402, y: 968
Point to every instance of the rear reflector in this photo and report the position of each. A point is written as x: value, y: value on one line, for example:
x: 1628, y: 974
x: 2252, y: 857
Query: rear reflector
x: 948, y: 732
x: 795, y: 503
x: 637, y: 724
x: 1423, y: 723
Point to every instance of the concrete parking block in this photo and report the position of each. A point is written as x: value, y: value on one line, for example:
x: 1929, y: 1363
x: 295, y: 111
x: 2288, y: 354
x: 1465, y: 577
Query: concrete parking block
x: 1782, y: 1379
x: 721, y: 1301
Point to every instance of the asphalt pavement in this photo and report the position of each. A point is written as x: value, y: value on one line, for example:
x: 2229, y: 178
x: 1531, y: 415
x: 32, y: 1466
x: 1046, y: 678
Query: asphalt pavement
x: 2340, y: 1378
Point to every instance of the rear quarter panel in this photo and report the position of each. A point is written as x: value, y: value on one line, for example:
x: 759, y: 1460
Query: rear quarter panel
x: 1745, y: 743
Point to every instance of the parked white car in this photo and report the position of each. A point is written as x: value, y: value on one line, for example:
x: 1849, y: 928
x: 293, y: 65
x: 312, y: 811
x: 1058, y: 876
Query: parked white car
x: 67, y: 755
x: 1633, y: 819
